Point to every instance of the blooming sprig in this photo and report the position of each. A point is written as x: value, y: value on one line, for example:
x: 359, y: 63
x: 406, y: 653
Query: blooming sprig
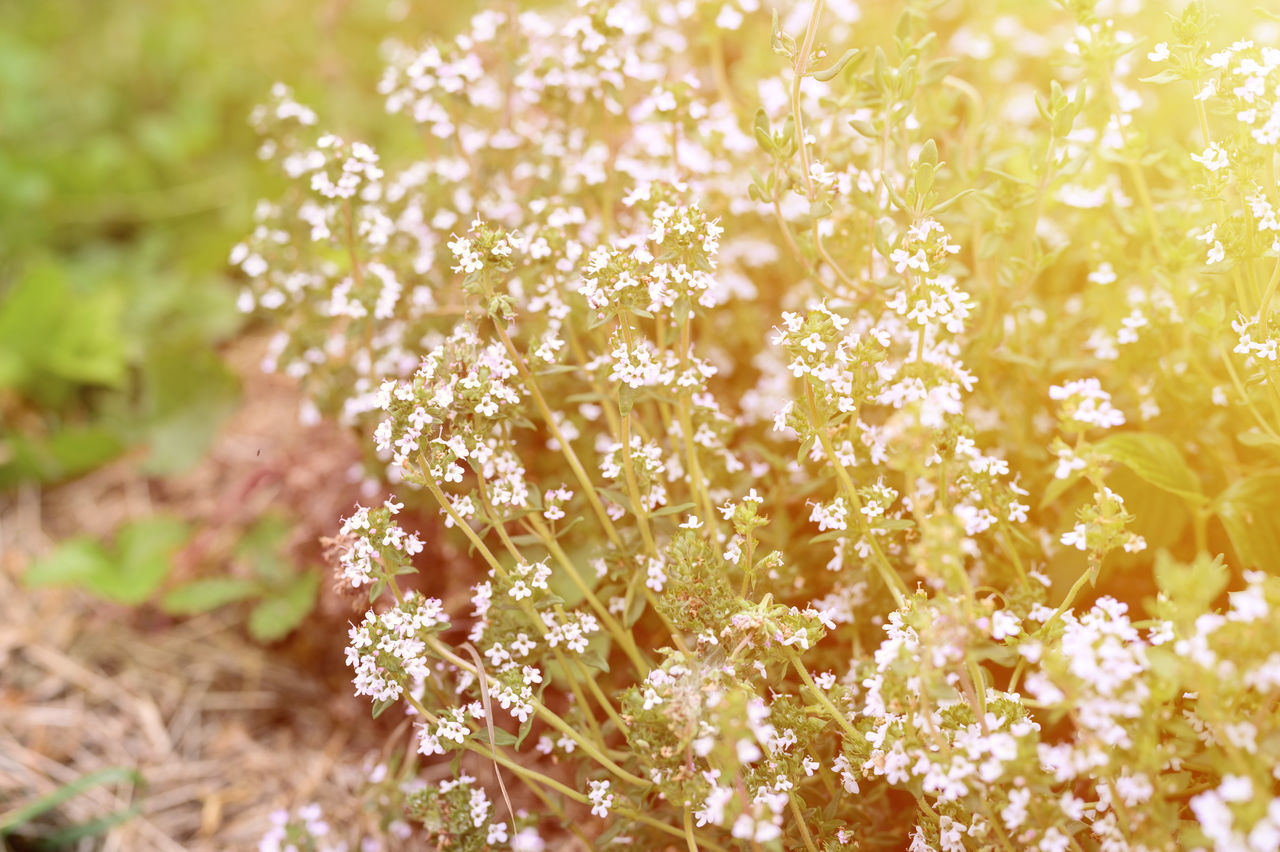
x: 387, y: 650
x: 764, y: 387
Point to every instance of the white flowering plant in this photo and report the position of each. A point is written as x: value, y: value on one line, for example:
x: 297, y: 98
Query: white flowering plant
x: 858, y: 427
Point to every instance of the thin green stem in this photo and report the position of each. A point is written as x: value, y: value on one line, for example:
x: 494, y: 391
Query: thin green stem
x: 1246, y: 399
x: 1069, y: 599
x: 891, y: 579
x: 689, y: 838
x: 633, y: 488
x: 697, y: 481
x: 461, y: 522
x: 620, y: 635
x: 565, y: 447
x: 832, y: 711
x: 547, y: 716
x: 800, y: 823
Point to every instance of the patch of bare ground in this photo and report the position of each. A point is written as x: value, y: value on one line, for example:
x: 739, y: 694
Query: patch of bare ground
x: 221, y: 729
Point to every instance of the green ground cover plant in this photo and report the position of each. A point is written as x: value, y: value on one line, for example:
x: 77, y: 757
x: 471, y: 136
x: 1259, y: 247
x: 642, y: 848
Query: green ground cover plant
x: 862, y: 422
x: 122, y: 174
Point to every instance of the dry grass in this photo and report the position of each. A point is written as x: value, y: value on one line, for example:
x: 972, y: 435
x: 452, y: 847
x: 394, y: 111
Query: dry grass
x: 222, y: 730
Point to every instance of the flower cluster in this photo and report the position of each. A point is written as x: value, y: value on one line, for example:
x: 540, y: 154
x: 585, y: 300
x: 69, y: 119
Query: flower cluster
x: 308, y: 830
x: 856, y: 433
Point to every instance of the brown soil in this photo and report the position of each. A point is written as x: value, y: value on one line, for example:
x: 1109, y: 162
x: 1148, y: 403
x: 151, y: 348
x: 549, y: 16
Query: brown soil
x: 222, y: 730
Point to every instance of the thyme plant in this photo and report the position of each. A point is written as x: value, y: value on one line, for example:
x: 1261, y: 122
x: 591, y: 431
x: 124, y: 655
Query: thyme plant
x: 860, y: 422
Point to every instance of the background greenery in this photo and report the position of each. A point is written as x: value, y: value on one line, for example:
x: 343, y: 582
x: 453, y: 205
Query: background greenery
x: 127, y: 171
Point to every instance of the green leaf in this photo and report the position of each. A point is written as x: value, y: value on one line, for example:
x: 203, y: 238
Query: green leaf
x: 190, y: 391
x: 74, y: 562
x: 262, y: 547
x: 592, y: 658
x: 143, y: 558
x: 764, y: 138
x: 944, y: 206
x: 525, y: 727
x: 14, y: 820
x: 503, y: 737
x: 78, y: 449
x: 204, y: 595
x: 676, y: 509
x: 276, y: 616
x: 48, y: 332
x: 1191, y: 588
x: 1255, y: 437
x: 828, y: 74
x: 936, y: 70
x: 636, y: 602
x: 863, y: 127
x: 928, y: 153
x: 1056, y: 488
x: 1017, y: 181
x: 922, y: 181
x: 1156, y: 459
x: 1248, y: 510
x: 89, y: 347
x: 1168, y: 75
x: 626, y: 399
x: 1160, y: 516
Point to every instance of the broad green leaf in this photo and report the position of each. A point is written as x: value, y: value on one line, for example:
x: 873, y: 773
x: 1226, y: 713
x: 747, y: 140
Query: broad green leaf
x: 129, y: 573
x: 1248, y: 511
x: 78, y: 449
x: 74, y: 562
x: 1191, y: 588
x: 28, y: 321
x: 1057, y: 487
x: 262, y: 547
x: 143, y: 558
x: 1160, y: 516
x: 190, y: 391
x: 67, y: 452
x: 48, y: 332
x: 276, y: 616
x: 208, y: 594
x: 89, y: 346
x: 1156, y: 459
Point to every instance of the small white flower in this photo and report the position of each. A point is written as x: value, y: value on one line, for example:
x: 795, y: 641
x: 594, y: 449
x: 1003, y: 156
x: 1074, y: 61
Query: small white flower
x: 601, y: 798
x: 1212, y: 158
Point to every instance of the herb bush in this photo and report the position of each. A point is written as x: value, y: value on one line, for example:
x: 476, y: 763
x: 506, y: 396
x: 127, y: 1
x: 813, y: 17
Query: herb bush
x: 862, y: 426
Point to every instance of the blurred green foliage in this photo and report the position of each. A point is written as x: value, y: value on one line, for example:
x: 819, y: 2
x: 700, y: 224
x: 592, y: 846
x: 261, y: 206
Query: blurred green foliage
x: 127, y: 171
x: 128, y: 571
x: 282, y: 595
x: 137, y: 566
